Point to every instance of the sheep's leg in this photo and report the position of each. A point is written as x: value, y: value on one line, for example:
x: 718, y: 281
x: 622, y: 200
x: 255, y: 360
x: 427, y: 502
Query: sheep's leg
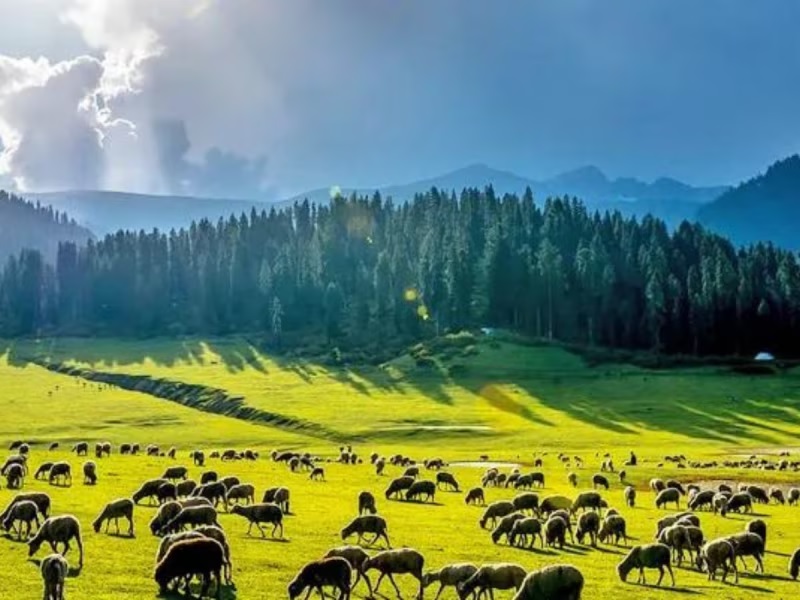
x: 261, y: 529
x: 735, y: 571
x: 130, y: 526
x: 249, y: 529
x: 744, y: 564
x: 759, y: 564
x: 369, y: 584
x: 671, y: 575
x: 394, y: 583
x: 377, y: 584
x: 439, y: 593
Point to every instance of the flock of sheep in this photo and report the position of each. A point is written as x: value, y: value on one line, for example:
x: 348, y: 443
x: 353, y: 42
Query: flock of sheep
x: 193, y: 544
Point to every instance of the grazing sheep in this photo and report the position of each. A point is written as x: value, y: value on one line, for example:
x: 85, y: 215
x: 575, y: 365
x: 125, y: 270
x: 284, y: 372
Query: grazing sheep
x: 243, y: 491
x: 116, y: 510
x: 496, y: 510
x: 498, y: 576
x: 586, y: 500
x: 81, y: 448
x: 793, y: 496
x: 60, y: 471
x: 676, y: 485
x: 403, y: 561
x: 599, y: 480
x: 166, y: 512
x: 380, y: 465
x: 419, y: 489
x: 23, y: 512
x: 649, y: 556
x: 677, y: 538
x: 553, y: 503
x: 522, y: 528
x: 564, y: 516
x: 317, y: 474
x: 124, y: 449
x: 53, y: 447
x: 149, y: 490
x: 15, y: 477
x: 58, y: 530
x: 332, y: 572
x: 588, y: 524
x: 504, y: 527
x: 184, y: 489
x: 215, y: 492
x: 794, y: 564
x: 17, y: 459
x: 175, y: 473
x: 447, y: 480
x: 630, y: 496
x: 573, y: 479
x: 171, y: 539
x: 739, y: 502
x: 208, y: 477
x: 555, y: 530
x: 152, y: 450
x: 193, y: 516
x: 43, y: 470
x: 718, y: 554
x: 229, y: 482
x: 657, y: 485
x: 554, y: 582
x: 613, y: 526
x: 759, y: 527
x: 357, y: 558
x: 777, y: 495
x: 411, y: 472
x: 758, y: 493
x: 54, y: 570
x: 720, y: 502
x: 202, y: 557
x: 704, y: 499
x: 398, y: 486
x: 279, y: 496
x: 526, y: 501
x: 748, y: 544
x: 366, y: 503
x: 166, y: 492
x: 449, y: 576
x: 172, y: 452
x: 668, y: 495
x: 622, y: 475
x: 89, y: 473
x: 475, y: 496
x: 41, y: 500
x: 362, y: 525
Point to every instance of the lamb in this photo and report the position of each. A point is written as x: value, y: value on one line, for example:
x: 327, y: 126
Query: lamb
x: 149, y: 490
x: 504, y: 526
x: 54, y: 571
x: 555, y: 530
x: 704, y: 499
x: 550, y: 504
x: 193, y: 516
x: 243, y: 491
x: 475, y: 496
x: 657, y: 485
x: 331, y: 572
x: 41, y: 500
x: 741, y: 501
x: 650, y: 556
x: 175, y: 473
x: 588, y: 524
x: 366, y: 503
x: 794, y: 564
x: 357, y: 558
x: 554, y: 582
x: 522, y: 528
x: 526, y: 501
x: 122, y: 508
x: 718, y: 554
x: 202, y: 557
x: 447, y: 480
x: 613, y: 526
x: 421, y: 488
x: 15, y: 477
x: 630, y: 496
x: 23, y: 512
x: 362, y: 525
x: 256, y: 514
x: 498, y: 576
x: 60, y: 471
x: 58, y: 530
x: 586, y: 500
x: 668, y: 495
x: 759, y: 527
x: 89, y: 473
x: 748, y: 544
x: 43, y: 470
x: 396, y: 562
x: 279, y: 496
x: 496, y: 510
x: 449, y: 576
x: 599, y: 480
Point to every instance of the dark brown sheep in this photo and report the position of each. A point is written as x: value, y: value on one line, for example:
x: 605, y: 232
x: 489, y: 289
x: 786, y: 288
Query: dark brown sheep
x: 332, y: 572
x: 202, y: 557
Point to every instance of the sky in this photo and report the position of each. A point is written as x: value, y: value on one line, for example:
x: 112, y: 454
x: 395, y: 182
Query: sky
x: 267, y: 98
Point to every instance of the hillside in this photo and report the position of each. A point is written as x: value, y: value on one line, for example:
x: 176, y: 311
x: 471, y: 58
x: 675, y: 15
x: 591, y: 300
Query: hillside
x: 27, y: 225
x: 765, y: 208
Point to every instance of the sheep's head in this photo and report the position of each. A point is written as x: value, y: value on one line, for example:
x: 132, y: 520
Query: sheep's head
x: 295, y: 588
x: 794, y: 567
x: 700, y: 562
x: 237, y: 509
x: 34, y: 545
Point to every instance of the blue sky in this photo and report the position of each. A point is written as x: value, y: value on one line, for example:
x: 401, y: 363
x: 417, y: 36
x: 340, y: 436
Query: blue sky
x: 261, y: 97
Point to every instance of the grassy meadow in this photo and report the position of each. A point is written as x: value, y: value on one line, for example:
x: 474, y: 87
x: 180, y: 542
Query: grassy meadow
x: 503, y: 399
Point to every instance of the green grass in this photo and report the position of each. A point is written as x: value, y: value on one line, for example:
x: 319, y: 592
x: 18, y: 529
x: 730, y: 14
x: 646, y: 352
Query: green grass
x: 507, y: 401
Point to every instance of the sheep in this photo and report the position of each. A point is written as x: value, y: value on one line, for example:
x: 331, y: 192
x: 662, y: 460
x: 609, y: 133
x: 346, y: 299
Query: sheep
x: 503, y: 528
x: 366, y: 503
x: 193, y: 516
x: 622, y: 475
x: 554, y: 582
x: 657, y: 485
x: 81, y: 448
x: 724, y: 488
x: 135, y: 449
x: 89, y: 473
x: 380, y: 465
x: 166, y: 512
x: 243, y: 491
x: 588, y: 524
x: 794, y: 564
x: 23, y: 512
x: 668, y: 495
x: 777, y: 495
x: 124, y: 449
x: 421, y: 488
x: 198, y: 458
x: 41, y: 500
x: 175, y: 473
x: 399, y: 485
x: 737, y: 503
x: 447, y: 480
x: 677, y: 538
x: 152, y: 450
x: 208, y: 477
x: 412, y: 472
x: 362, y: 525
x: 718, y: 554
x: 122, y: 508
x: 496, y: 510
x: 552, y: 503
x: 475, y: 496
x: 748, y: 544
x: 522, y: 528
x: 203, y: 557
x: 172, y: 452
x: 675, y: 485
x: 565, y: 516
x: 185, y: 488
x: 449, y: 576
x: 613, y: 526
x: 229, y: 481
x: 332, y: 572
x: 53, y: 447
x: 630, y: 496
x: 586, y: 500
x: 17, y: 459
x: 702, y: 499
x: 60, y: 471
x: 58, y: 530
x: 650, y: 556
x: 15, y: 477
x: 759, y: 527
x: 215, y: 492
x: 720, y: 502
x: 357, y: 558
x: 279, y: 496
x: 758, y: 494
x: 149, y: 490
x: 230, y: 454
x: 497, y: 576
x: 572, y: 478
x: 526, y: 501
x: 396, y: 562
x: 317, y: 474
x: 43, y: 470
x: 528, y: 481
x: 676, y: 519
x: 599, y: 480
x: 54, y: 570
x: 555, y: 529
x: 793, y: 497
x: 171, y: 539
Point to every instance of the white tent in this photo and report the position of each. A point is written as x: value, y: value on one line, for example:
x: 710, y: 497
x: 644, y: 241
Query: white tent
x: 764, y: 357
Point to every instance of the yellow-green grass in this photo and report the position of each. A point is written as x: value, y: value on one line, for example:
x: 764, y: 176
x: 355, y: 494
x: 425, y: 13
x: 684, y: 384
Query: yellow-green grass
x: 509, y: 402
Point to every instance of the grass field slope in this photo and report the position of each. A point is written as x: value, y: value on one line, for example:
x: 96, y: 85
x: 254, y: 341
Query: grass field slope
x: 458, y: 399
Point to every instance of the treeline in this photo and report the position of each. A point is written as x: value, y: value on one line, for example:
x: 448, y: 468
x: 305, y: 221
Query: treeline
x: 27, y: 225
x: 362, y: 272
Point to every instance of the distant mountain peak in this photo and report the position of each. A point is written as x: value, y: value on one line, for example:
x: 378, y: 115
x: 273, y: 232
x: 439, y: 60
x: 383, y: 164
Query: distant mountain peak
x: 585, y: 175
